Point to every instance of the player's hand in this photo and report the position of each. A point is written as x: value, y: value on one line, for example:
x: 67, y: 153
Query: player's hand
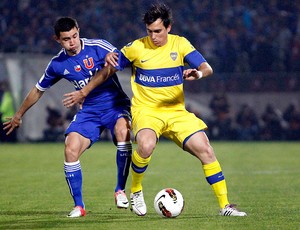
x: 191, y: 74
x: 112, y: 59
x: 73, y: 98
x: 12, y: 123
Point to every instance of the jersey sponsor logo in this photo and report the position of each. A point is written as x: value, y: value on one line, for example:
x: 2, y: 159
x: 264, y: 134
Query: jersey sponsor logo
x: 158, y: 81
x: 77, y: 68
x: 159, y: 78
x: 80, y: 84
x: 89, y: 63
x: 142, y: 61
x: 173, y: 55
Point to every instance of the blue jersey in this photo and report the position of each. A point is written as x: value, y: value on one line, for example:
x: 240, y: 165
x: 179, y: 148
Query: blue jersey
x: 79, y: 70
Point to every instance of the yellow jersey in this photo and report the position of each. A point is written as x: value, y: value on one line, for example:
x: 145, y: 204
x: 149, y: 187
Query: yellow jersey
x: 157, y: 72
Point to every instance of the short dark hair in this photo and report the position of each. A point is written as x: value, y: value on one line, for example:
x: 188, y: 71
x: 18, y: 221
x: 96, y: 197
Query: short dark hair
x: 64, y: 24
x: 156, y: 11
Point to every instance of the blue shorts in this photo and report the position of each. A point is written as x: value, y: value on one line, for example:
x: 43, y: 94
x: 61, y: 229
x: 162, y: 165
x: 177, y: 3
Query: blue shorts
x: 90, y: 123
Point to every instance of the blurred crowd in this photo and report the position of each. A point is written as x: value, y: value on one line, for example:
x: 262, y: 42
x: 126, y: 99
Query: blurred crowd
x: 234, y: 35
x: 247, y: 125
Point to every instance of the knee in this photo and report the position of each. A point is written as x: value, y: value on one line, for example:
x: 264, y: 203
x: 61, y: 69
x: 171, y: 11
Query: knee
x: 207, y: 154
x: 146, y: 148
x: 71, y: 155
x: 122, y: 133
x: 208, y: 150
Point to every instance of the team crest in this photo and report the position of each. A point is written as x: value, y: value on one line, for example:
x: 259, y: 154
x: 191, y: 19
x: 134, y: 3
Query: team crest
x: 89, y: 63
x: 77, y: 68
x: 173, y: 55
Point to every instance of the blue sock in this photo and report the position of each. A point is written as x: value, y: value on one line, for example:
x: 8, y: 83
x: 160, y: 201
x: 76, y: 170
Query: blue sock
x: 74, y: 179
x: 123, y: 159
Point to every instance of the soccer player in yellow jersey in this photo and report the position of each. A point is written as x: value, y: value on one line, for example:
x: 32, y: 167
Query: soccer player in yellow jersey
x: 158, y: 107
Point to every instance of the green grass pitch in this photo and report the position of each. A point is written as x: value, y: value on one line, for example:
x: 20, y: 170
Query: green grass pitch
x: 262, y: 178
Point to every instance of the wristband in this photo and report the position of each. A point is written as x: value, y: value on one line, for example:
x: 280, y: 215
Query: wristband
x: 200, y: 74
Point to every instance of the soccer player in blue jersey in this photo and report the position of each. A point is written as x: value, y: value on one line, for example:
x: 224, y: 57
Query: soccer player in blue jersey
x: 158, y: 107
x: 106, y: 107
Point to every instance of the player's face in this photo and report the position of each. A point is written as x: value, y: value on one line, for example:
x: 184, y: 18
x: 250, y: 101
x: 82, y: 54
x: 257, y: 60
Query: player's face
x: 158, y: 33
x: 70, y: 40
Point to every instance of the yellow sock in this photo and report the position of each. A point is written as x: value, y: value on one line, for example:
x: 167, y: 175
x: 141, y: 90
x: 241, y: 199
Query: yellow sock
x: 138, y: 168
x: 215, y: 178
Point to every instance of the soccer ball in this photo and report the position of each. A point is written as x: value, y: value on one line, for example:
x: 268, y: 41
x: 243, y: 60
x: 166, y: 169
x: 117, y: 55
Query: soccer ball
x: 169, y: 203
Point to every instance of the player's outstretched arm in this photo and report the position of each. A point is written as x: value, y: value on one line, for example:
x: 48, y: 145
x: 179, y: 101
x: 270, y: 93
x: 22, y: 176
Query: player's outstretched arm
x: 14, y: 122
x: 203, y: 70
x: 79, y: 96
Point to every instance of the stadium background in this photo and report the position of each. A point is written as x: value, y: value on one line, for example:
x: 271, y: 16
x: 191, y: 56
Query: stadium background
x: 253, y: 47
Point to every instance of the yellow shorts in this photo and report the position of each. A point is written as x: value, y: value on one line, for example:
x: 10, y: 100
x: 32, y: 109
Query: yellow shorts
x: 176, y: 125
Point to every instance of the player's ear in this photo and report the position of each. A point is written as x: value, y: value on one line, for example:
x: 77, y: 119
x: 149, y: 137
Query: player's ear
x: 56, y: 38
x: 169, y: 28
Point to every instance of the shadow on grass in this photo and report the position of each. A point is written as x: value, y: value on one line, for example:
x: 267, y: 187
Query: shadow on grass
x: 58, y: 219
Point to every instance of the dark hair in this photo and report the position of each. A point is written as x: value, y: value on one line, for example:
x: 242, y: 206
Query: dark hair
x: 156, y: 11
x: 64, y: 24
